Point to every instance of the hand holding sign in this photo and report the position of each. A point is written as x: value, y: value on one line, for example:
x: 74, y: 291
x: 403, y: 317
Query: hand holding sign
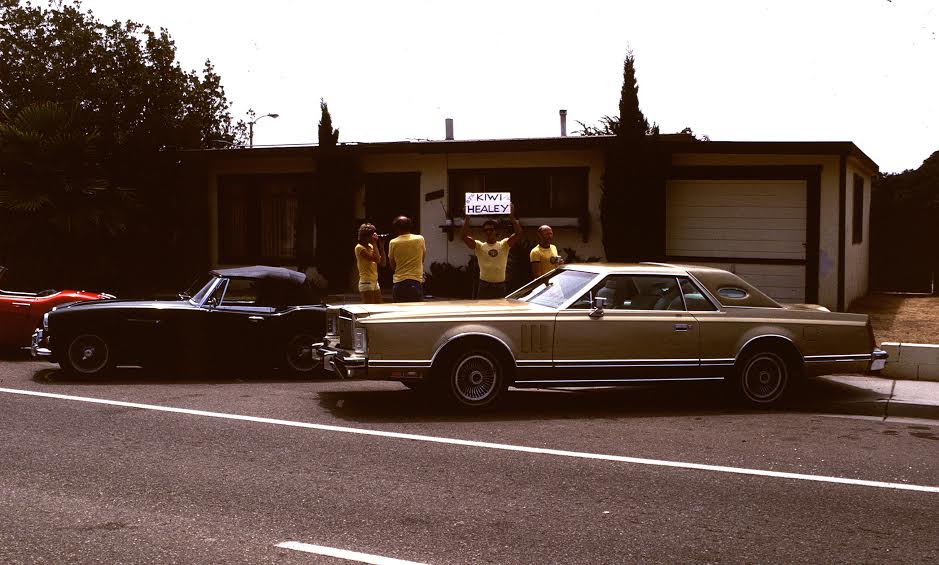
x: 488, y: 203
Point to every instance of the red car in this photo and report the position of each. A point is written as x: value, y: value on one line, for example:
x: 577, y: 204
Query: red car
x: 21, y: 312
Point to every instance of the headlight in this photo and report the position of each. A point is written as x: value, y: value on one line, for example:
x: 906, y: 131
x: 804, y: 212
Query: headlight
x: 45, y: 321
x: 359, y: 341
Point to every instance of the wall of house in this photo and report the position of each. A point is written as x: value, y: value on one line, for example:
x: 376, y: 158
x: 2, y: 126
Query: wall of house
x: 857, y: 255
x: 829, y: 205
x: 434, y: 167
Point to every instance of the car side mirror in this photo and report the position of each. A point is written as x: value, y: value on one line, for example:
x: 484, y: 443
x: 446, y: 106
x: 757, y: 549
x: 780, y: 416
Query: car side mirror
x: 598, y: 303
x: 211, y: 302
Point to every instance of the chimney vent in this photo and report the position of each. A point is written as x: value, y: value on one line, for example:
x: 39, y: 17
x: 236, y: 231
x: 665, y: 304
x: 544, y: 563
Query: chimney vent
x: 563, y: 123
x: 449, y: 128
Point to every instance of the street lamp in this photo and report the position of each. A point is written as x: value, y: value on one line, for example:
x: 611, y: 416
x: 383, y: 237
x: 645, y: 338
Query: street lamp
x: 253, y: 121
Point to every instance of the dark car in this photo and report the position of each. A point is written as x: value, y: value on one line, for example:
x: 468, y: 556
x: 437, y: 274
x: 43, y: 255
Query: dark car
x: 245, y: 317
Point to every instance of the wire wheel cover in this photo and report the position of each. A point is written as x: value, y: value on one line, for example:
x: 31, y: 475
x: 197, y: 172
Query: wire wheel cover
x: 476, y: 378
x: 765, y: 377
x: 88, y: 353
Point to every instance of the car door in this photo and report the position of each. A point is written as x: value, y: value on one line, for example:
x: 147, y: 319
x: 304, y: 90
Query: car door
x: 237, y: 327
x: 643, y: 332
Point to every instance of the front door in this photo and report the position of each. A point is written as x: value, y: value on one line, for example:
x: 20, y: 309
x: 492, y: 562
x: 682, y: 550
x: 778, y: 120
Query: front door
x: 387, y: 196
x: 644, y: 332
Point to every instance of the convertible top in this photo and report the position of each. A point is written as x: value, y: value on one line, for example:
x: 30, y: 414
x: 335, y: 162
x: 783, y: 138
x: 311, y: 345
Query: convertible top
x: 263, y: 272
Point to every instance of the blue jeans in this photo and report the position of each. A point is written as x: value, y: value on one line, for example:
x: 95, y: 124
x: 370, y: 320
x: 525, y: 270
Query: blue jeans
x: 490, y: 290
x: 407, y: 291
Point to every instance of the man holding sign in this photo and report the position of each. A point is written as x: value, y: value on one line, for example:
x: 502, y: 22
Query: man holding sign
x: 492, y: 254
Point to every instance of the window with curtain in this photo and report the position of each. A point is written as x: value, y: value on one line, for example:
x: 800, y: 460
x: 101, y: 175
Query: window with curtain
x: 257, y: 217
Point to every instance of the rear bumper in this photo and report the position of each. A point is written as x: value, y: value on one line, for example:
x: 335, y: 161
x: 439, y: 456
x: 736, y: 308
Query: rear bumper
x: 39, y: 345
x: 878, y: 359
x: 344, y: 363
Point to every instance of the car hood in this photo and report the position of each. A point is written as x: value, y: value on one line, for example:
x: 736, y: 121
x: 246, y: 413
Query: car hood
x: 126, y: 304
x: 463, y: 308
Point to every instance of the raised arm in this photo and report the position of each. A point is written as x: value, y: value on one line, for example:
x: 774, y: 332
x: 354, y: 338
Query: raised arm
x: 517, y: 234
x: 464, y: 234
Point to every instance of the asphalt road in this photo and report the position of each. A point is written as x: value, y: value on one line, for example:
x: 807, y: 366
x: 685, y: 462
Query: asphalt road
x: 175, y: 478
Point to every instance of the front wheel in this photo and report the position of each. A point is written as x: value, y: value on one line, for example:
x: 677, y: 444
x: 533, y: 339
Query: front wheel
x: 477, y: 378
x: 88, y: 355
x: 763, y: 378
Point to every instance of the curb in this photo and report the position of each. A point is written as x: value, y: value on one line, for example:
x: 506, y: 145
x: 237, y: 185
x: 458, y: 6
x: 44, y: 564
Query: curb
x: 885, y: 398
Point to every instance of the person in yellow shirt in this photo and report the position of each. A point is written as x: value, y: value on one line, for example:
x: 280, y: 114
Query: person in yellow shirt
x: 492, y: 255
x: 544, y: 256
x: 406, y: 259
x: 369, y: 254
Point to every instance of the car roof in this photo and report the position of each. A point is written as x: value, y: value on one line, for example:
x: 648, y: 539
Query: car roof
x: 262, y: 272
x: 633, y: 268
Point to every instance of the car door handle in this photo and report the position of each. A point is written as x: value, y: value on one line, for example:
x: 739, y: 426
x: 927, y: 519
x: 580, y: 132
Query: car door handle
x: 255, y: 318
x: 22, y: 304
x: 682, y: 327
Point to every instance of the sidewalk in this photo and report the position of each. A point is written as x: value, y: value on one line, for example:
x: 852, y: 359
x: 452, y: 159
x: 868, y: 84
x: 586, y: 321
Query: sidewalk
x: 877, y: 396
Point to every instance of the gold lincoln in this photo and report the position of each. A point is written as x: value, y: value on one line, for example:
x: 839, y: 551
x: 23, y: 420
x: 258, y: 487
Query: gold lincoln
x: 599, y: 325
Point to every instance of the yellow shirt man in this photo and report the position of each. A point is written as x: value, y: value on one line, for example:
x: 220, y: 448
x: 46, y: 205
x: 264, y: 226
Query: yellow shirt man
x: 546, y: 258
x: 492, y: 258
x: 407, y: 255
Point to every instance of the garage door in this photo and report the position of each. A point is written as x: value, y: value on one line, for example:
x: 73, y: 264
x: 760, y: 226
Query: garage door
x: 737, y: 224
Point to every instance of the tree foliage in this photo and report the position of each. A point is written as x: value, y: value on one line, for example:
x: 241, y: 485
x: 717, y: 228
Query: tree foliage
x: 904, y: 222
x: 338, y: 176
x: 632, y: 200
x: 119, y: 84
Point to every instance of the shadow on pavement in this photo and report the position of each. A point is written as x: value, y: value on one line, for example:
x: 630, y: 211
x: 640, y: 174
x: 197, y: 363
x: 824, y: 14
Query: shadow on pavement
x: 140, y: 376
x: 655, y: 400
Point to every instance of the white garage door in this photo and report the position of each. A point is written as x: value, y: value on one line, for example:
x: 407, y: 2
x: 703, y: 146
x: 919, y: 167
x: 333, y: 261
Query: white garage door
x: 717, y: 221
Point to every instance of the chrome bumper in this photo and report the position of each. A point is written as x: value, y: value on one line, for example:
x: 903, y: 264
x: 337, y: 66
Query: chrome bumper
x: 39, y: 346
x: 878, y: 359
x: 344, y: 363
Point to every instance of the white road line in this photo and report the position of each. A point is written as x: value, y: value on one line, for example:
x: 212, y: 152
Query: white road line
x: 487, y: 445
x: 344, y: 554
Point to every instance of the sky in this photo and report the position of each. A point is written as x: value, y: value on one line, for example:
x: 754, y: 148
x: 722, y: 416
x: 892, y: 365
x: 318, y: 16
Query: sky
x: 792, y: 70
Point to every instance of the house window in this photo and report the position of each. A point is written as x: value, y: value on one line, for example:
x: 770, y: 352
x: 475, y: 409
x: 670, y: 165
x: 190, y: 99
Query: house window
x: 857, y: 223
x: 257, y: 217
x: 536, y: 192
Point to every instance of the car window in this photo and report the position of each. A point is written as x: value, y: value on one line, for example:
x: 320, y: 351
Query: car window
x: 634, y: 292
x: 695, y: 299
x: 555, y: 289
x: 241, y: 292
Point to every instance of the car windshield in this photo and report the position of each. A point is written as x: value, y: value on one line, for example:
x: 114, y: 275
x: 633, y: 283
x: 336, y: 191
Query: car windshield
x: 555, y: 289
x: 198, y: 297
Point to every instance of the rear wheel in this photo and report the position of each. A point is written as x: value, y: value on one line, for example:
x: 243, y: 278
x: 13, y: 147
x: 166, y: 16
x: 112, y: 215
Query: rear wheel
x: 87, y: 355
x: 298, y: 354
x: 764, y: 377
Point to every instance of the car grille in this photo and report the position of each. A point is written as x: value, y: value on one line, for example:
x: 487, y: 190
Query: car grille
x: 346, y: 322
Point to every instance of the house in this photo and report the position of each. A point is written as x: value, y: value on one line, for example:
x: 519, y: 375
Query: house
x: 791, y: 217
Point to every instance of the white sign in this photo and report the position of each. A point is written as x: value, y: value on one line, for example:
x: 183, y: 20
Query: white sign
x: 488, y: 203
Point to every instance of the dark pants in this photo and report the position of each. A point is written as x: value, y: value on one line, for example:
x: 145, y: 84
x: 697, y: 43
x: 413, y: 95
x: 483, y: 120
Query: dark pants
x: 491, y: 290
x: 407, y: 291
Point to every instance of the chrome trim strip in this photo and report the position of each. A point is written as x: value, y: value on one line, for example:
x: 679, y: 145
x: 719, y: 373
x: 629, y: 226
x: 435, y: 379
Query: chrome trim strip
x: 395, y: 363
x: 565, y: 362
x: 717, y: 362
x: 534, y: 363
x: 601, y: 365
x: 837, y: 358
x: 752, y: 339
x: 609, y: 381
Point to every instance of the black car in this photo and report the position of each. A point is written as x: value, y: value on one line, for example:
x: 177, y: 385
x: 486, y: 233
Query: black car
x: 244, y: 317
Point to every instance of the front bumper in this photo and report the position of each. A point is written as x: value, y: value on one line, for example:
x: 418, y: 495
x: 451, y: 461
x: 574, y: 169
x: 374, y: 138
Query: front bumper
x: 878, y: 359
x: 346, y: 364
x: 39, y: 345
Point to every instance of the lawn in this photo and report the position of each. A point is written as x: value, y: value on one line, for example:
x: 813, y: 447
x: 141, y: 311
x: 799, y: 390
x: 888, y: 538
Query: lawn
x: 908, y: 319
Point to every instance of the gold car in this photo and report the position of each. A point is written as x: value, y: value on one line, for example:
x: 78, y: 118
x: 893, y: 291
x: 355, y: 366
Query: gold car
x: 599, y: 325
